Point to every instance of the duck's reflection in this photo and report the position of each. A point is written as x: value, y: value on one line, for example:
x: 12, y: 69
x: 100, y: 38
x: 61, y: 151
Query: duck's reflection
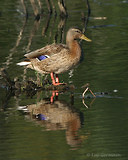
x: 57, y: 115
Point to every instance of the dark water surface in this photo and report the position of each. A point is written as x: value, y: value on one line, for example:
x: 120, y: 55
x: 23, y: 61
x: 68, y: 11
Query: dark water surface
x: 67, y: 130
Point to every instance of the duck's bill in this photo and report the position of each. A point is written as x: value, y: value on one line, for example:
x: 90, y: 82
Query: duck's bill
x: 85, y: 38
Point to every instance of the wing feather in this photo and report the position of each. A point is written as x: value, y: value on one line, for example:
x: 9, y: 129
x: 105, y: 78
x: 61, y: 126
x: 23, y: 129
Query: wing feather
x: 47, y: 50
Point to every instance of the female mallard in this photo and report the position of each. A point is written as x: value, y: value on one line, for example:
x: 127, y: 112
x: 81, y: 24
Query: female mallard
x: 56, y: 58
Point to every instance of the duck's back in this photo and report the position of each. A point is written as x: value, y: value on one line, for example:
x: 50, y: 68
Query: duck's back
x: 47, y: 50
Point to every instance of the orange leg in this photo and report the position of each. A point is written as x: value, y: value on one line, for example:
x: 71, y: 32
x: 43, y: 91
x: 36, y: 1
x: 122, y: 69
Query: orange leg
x: 52, y: 97
x: 54, y: 93
x: 57, y: 79
x: 52, y: 77
x: 55, y: 82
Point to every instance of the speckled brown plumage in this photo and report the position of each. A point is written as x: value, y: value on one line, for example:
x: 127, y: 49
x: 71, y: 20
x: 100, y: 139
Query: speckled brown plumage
x: 61, y: 58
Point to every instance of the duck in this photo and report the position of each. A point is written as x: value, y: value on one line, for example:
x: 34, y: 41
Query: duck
x: 55, y: 58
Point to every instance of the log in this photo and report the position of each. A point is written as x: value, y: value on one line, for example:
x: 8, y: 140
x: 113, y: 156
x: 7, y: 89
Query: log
x: 30, y: 85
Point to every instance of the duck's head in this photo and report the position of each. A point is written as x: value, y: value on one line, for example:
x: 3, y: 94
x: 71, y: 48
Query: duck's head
x: 74, y: 33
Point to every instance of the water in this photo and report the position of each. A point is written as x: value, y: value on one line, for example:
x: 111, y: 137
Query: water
x: 94, y: 129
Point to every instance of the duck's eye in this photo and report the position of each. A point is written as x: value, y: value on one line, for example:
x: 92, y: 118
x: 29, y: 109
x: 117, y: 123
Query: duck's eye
x: 77, y: 31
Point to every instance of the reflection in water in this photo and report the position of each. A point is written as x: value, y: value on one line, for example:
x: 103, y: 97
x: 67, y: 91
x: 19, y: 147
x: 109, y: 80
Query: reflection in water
x: 57, y: 115
x: 38, y: 10
x: 32, y: 33
x: 104, y: 67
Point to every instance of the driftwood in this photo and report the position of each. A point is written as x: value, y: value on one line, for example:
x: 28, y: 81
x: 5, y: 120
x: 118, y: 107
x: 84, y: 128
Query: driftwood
x: 30, y: 85
x: 30, y: 88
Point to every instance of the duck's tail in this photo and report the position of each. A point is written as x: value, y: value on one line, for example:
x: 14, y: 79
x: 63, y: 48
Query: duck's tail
x: 24, y: 63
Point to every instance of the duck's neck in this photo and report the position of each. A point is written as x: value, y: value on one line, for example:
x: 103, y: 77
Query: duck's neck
x: 74, y: 48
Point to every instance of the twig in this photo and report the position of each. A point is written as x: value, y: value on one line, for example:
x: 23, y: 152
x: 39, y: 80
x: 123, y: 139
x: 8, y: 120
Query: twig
x: 86, y: 91
x: 35, y: 8
x: 83, y: 94
x: 86, y: 86
x: 49, y: 6
x: 88, y: 14
x: 54, y: 8
x: 92, y: 92
x: 84, y: 103
x: 24, y: 7
x: 62, y: 7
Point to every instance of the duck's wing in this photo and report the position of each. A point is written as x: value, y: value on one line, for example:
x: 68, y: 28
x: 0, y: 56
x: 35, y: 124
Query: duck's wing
x: 48, y: 50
